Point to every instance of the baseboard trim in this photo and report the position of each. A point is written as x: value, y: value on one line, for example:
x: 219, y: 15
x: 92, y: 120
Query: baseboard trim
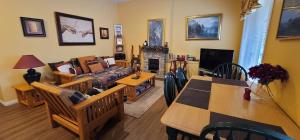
x: 8, y: 103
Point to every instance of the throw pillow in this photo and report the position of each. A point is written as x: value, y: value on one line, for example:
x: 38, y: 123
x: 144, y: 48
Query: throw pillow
x: 76, y: 70
x: 72, y: 97
x: 111, y: 61
x: 65, y: 68
x: 103, y: 63
x: 82, y: 61
x: 54, y: 64
x: 95, y: 68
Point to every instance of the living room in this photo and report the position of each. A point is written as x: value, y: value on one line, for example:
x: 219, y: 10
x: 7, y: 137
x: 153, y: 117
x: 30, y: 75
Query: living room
x: 134, y: 17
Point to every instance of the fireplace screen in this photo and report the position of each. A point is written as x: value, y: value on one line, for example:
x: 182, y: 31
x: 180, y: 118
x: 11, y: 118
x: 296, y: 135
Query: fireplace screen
x: 153, y: 64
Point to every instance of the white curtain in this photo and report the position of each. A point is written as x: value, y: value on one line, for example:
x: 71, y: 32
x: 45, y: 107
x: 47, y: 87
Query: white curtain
x: 256, y: 27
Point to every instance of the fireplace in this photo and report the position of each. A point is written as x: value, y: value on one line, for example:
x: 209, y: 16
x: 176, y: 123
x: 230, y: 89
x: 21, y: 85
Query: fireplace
x: 153, y: 64
x: 155, y: 59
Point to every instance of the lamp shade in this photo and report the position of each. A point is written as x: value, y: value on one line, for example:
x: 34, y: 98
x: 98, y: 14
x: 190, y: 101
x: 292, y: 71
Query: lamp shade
x: 28, y: 62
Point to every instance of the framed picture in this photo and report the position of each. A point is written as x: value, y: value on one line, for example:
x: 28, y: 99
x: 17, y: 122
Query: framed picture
x: 74, y: 30
x: 118, y: 30
x: 33, y: 27
x: 104, y: 34
x: 289, y: 20
x: 206, y: 27
x: 156, y: 32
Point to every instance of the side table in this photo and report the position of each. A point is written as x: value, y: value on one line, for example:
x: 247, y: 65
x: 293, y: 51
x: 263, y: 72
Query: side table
x: 27, y: 95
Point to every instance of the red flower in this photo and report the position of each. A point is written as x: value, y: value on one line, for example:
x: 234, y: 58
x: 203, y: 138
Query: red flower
x: 266, y: 73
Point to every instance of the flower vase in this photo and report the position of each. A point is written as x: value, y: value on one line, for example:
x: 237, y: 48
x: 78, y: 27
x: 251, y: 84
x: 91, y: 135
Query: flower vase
x: 247, y: 94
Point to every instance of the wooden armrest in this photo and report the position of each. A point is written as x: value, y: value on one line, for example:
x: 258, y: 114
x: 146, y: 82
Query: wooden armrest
x: 76, y: 82
x: 63, y: 74
x: 95, y: 98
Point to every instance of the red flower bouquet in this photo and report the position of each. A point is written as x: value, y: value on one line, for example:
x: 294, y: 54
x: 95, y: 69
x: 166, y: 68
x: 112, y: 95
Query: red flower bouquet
x: 266, y: 73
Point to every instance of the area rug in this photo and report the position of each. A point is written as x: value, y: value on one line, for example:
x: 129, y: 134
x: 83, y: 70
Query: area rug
x: 138, y: 108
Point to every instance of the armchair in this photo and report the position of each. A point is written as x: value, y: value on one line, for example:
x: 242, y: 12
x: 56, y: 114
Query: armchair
x: 87, y: 115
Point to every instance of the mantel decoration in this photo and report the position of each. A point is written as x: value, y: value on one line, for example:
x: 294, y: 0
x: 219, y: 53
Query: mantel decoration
x: 156, y: 32
x: 248, y: 7
x: 267, y: 73
x: 74, y: 30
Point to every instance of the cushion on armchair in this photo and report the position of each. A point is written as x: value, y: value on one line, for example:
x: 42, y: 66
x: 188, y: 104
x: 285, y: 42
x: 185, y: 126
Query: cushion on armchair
x: 83, y: 63
x: 72, y: 97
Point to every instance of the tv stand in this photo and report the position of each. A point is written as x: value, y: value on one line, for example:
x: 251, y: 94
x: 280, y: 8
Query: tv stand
x: 205, y: 72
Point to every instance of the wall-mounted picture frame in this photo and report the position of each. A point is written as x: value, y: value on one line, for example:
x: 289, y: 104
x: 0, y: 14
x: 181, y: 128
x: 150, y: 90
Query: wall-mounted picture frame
x: 33, y: 27
x: 104, y: 33
x: 203, y: 27
x: 74, y: 30
x: 289, y: 21
x: 156, y: 32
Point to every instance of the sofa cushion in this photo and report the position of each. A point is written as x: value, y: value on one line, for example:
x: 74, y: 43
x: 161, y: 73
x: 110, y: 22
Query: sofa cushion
x: 54, y: 64
x: 71, y: 97
x: 83, y: 63
x: 103, y: 63
x: 76, y: 70
x: 96, y: 67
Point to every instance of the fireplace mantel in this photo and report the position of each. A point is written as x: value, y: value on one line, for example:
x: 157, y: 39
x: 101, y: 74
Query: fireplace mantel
x: 165, y: 50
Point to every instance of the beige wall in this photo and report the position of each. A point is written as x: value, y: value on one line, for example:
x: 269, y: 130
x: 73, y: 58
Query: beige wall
x: 286, y: 54
x: 134, y: 15
x: 13, y: 44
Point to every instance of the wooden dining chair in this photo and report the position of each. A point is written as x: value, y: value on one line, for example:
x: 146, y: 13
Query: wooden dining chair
x: 82, y: 118
x: 230, y: 71
x: 169, y: 88
x: 181, y: 79
x: 239, y: 131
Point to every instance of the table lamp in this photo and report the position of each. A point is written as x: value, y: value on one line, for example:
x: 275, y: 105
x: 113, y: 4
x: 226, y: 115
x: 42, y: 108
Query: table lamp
x: 29, y: 62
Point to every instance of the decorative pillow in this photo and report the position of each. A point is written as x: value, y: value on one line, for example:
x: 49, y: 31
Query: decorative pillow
x: 82, y: 61
x: 111, y: 61
x: 54, y: 64
x: 103, y: 63
x: 72, y: 97
x: 65, y: 68
x: 96, y: 67
x: 93, y: 91
x: 76, y: 70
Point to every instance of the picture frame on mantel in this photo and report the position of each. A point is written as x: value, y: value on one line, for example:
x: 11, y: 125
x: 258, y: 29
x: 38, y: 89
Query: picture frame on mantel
x: 74, y: 30
x: 33, y: 27
x: 156, y: 32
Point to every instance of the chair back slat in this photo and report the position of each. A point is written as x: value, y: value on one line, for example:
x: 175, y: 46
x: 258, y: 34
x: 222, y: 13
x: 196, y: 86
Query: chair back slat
x: 51, y: 94
x: 230, y: 71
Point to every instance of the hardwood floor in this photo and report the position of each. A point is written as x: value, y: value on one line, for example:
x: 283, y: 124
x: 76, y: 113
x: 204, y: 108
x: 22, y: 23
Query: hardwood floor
x: 18, y: 122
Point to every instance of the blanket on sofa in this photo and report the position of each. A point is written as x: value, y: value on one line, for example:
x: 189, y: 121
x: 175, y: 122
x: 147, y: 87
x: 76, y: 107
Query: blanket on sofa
x: 107, y: 77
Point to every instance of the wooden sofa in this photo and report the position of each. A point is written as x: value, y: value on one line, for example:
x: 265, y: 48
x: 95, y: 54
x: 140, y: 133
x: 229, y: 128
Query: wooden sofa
x: 86, y: 116
x: 63, y: 78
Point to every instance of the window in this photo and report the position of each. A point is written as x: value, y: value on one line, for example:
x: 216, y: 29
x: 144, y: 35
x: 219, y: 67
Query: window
x: 256, y: 27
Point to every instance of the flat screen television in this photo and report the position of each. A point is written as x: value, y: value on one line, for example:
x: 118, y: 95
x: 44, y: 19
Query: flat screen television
x: 211, y: 58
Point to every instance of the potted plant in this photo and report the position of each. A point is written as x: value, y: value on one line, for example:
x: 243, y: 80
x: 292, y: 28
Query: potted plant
x: 266, y: 73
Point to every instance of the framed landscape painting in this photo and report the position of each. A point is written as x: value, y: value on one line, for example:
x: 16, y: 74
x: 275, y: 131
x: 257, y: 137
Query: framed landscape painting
x: 155, y: 32
x: 290, y: 20
x: 74, y: 30
x: 33, y: 27
x: 205, y: 27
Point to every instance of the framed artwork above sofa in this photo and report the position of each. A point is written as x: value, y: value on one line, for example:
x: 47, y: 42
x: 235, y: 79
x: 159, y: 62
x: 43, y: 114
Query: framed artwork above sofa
x: 74, y: 30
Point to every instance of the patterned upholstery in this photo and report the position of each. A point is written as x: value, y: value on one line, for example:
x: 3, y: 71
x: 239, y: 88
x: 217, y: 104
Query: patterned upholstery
x: 107, y: 77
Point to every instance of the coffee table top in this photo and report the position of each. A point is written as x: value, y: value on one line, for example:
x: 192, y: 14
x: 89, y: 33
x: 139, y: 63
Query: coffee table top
x: 135, y: 82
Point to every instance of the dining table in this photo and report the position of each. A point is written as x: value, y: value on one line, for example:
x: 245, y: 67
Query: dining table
x: 206, y: 100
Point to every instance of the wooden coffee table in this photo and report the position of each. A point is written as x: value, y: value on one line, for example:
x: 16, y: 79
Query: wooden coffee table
x: 134, y: 84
